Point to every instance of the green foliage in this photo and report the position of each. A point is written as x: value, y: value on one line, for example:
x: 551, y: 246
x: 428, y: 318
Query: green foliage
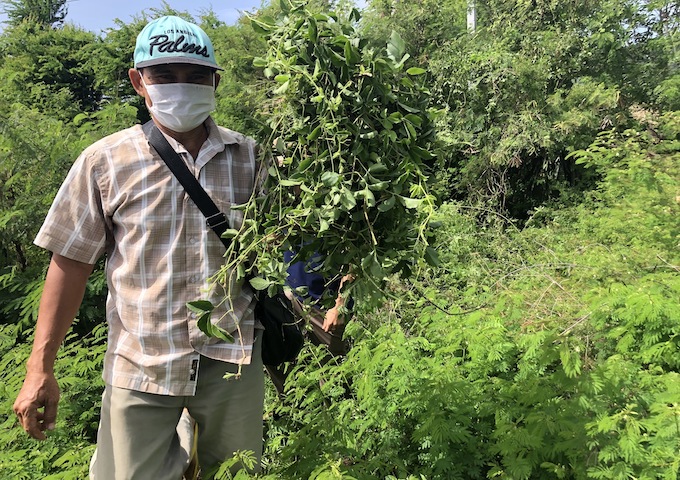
x: 32, y: 166
x: 535, y: 81
x: 668, y: 93
x: 203, y: 310
x: 349, y: 130
x: 550, y: 352
x: 241, y: 92
x: 425, y: 26
x: 49, y: 13
x: 546, y: 352
x: 51, y: 70
x: 65, y: 455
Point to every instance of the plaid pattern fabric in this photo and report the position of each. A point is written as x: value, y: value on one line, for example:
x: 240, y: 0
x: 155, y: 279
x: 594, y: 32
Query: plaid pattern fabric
x: 121, y: 200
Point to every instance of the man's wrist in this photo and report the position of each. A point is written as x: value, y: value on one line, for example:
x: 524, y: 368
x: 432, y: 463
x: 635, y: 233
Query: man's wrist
x: 40, y: 366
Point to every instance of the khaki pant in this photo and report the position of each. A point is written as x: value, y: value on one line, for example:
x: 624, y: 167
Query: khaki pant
x: 141, y: 436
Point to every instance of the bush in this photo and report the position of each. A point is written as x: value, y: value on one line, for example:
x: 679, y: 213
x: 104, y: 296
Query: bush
x: 550, y: 352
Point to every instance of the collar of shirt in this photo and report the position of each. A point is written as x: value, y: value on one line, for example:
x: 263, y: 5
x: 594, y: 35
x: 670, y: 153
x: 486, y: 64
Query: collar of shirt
x: 218, y: 139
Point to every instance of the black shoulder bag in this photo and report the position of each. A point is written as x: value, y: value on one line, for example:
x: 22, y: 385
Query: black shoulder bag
x: 283, y: 338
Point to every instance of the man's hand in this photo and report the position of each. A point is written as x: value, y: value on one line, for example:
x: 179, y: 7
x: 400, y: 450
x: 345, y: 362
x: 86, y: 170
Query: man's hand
x: 332, y: 319
x: 40, y: 391
x: 59, y: 303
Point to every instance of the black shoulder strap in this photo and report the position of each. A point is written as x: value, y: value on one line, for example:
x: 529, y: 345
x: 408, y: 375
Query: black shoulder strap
x: 215, y: 219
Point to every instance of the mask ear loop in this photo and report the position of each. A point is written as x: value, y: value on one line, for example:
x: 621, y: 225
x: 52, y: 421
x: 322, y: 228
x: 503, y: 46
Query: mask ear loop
x: 141, y: 79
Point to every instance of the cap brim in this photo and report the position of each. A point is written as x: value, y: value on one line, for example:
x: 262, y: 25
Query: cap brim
x: 175, y: 60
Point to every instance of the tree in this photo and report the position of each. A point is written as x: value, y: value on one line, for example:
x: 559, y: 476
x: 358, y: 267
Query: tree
x: 536, y: 81
x: 52, y: 70
x: 47, y: 13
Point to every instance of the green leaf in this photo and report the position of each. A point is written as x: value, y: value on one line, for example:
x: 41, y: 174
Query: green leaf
x: 282, y: 89
x: 379, y: 186
x: 407, y: 82
x: 206, y: 326
x: 304, y: 164
x: 369, y: 198
x: 200, y: 306
x: 416, y: 71
x: 410, y: 202
x: 432, y: 257
x: 260, y: 26
x: 330, y: 178
x: 403, y: 61
x: 290, y: 183
x: 80, y: 118
x: 408, y: 108
x: 414, y: 119
x: 324, y: 225
x: 351, y: 55
x: 312, y: 30
x: 280, y: 145
x: 354, y: 15
x: 377, y: 168
x: 259, y: 62
x: 259, y: 283
x: 371, y: 265
x: 387, y: 204
x: 229, y: 233
x: 282, y: 78
x: 347, y: 199
x: 284, y: 5
x: 422, y: 153
x: 396, y: 47
x: 314, y: 134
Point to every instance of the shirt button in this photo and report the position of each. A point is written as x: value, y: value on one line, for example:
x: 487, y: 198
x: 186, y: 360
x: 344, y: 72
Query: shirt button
x: 192, y: 240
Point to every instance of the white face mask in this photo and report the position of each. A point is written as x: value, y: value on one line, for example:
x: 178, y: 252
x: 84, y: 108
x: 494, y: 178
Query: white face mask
x: 181, y: 107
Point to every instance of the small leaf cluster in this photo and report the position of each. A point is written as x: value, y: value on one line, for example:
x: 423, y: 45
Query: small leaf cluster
x: 203, y: 310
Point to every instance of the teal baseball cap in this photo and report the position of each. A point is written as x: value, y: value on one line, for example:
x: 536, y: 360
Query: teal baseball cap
x: 172, y: 39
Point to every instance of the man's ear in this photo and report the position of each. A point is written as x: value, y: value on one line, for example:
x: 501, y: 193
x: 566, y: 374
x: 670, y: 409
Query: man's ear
x: 136, y: 80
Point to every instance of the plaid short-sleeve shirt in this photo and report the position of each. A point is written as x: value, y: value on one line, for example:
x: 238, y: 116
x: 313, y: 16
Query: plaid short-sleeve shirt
x: 120, y: 199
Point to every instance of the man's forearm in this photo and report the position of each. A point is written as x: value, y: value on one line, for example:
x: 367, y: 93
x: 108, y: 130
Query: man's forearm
x: 61, y: 298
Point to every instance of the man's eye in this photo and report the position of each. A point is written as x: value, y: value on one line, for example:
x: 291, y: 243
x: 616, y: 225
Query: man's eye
x: 162, y: 78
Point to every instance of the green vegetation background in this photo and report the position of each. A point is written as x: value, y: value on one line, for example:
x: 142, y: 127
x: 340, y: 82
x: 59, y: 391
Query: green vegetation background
x: 544, y: 345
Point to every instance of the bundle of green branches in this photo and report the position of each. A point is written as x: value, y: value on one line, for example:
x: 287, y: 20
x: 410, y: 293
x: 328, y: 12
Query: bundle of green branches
x: 346, y: 141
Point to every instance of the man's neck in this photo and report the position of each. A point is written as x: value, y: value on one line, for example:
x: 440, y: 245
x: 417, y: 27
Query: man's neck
x: 192, y: 140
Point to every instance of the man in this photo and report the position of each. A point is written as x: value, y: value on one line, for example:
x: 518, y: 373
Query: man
x: 121, y: 200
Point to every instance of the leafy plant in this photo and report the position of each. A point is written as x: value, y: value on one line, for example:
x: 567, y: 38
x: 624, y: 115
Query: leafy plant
x: 548, y: 352
x: 349, y: 131
x: 66, y: 454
